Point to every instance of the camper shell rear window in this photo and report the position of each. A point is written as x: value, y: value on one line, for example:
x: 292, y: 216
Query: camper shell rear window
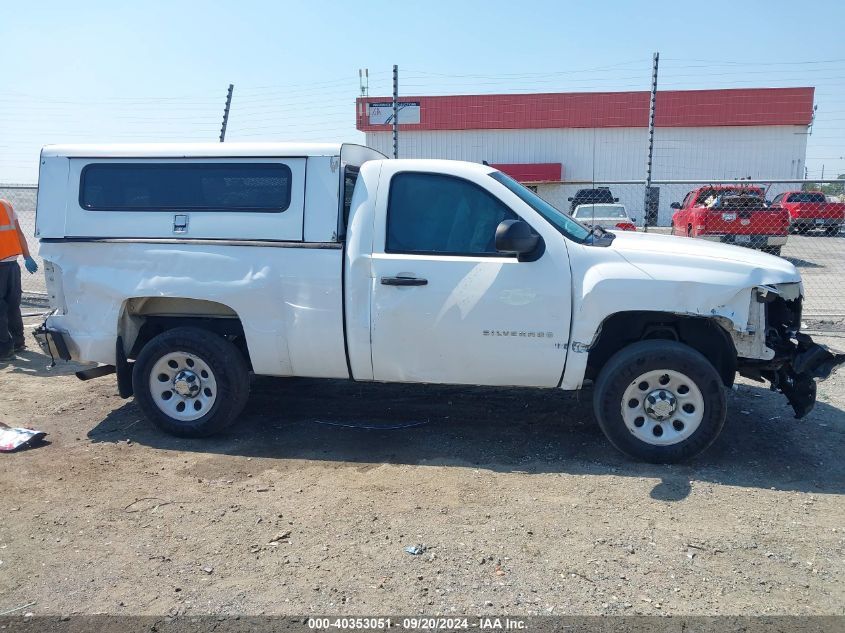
x: 159, y: 186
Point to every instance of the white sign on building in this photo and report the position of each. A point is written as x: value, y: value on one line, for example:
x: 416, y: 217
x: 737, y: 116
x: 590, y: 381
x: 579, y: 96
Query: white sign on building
x: 381, y: 113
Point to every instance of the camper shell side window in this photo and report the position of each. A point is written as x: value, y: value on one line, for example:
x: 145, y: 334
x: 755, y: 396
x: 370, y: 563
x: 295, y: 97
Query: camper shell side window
x: 169, y: 186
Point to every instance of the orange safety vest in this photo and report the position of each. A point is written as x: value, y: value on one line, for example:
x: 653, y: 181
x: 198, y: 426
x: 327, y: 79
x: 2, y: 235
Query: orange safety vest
x: 9, y: 243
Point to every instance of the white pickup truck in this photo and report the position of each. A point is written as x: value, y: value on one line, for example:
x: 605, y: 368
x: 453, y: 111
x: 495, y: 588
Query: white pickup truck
x: 184, y: 268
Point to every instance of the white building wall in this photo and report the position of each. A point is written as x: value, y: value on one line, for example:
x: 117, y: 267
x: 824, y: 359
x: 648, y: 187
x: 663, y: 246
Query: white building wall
x: 608, y: 154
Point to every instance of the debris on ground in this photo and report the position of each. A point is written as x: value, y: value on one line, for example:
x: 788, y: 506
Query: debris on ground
x: 281, y: 536
x: 13, y: 609
x: 415, y: 550
x: 13, y: 438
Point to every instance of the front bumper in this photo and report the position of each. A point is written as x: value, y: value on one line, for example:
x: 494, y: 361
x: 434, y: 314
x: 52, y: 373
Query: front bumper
x: 753, y: 241
x: 798, y: 362
x: 796, y: 379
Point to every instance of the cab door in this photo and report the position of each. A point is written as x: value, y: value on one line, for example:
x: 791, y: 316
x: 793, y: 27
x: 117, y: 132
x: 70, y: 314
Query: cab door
x: 445, y: 306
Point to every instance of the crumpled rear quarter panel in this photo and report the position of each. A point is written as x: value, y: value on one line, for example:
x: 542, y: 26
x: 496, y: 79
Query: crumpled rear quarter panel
x: 287, y: 298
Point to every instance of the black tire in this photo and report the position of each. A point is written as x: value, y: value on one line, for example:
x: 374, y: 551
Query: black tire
x: 772, y: 250
x: 623, y: 370
x: 228, y: 368
x: 832, y: 231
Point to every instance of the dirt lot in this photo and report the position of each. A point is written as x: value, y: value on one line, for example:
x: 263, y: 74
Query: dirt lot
x: 521, y: 504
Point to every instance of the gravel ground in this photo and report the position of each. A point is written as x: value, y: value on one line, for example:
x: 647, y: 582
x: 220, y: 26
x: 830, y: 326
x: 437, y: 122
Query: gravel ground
x: 520, y: 505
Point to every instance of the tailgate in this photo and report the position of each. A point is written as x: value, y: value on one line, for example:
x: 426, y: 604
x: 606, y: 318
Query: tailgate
x: 747, y: 221
x: 819, y: 211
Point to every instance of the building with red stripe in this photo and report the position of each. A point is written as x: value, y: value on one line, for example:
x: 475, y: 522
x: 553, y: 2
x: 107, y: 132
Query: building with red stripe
x: 559, y: 142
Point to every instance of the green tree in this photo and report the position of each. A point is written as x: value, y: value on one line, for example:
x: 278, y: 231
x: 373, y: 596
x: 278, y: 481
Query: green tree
x: 830, y: 189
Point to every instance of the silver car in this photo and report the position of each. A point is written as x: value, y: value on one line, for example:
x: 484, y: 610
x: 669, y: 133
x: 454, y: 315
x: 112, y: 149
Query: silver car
x: 607, y: 216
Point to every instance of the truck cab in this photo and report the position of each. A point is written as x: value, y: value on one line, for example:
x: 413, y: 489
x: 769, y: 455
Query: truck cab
x: 186, y: 268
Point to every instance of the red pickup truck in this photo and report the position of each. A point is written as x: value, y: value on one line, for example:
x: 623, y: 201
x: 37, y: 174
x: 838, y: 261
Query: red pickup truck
x: 734, y: 214
x: 810, y: 210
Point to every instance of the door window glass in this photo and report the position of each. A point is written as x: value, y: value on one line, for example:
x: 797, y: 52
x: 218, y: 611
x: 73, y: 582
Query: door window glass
x: 433, y: 213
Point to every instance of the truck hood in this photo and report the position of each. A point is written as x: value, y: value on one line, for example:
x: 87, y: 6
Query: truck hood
x: 688, y: 259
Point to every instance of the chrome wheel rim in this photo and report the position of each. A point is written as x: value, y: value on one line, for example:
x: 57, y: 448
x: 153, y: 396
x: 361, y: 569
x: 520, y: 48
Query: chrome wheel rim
x: 183, y: 386
x: 662, y: 407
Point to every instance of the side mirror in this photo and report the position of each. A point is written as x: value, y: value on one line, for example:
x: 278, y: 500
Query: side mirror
x: 675, y: 205
x: 569, y: 198
x: 633, y: 220
x: 616, y: 199
x: 515, y: 237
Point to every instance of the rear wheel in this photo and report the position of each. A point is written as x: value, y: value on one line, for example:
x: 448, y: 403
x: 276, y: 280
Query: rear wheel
x: 660, y: 401
x: 190, y: 382
x: 832, y: 231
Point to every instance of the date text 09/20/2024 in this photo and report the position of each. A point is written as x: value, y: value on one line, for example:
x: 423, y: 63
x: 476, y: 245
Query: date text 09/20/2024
x: 417, y: 623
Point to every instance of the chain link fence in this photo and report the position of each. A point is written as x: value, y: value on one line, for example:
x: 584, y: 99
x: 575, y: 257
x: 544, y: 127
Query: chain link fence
x: 791, y: 218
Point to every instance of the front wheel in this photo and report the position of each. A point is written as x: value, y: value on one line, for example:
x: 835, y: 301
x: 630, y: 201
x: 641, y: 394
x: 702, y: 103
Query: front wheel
x: 190, y: 382
x: 660, y: 401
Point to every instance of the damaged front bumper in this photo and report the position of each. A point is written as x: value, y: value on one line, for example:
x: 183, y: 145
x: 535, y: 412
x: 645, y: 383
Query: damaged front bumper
x: 798, y: 363
x: 796, y: 378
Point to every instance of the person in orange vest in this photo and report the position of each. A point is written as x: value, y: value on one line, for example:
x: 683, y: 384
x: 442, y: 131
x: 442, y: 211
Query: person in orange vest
x: 12, y: 244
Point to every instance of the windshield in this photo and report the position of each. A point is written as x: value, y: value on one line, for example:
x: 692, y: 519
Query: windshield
x: 807, y: 197
x: 615, y: 211
x: 560, y: 220
x: 588, y: 196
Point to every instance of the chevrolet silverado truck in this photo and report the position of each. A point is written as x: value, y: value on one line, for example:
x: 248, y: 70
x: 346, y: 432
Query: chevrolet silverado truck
x: 732, y: 214
x: 810, y: 210
x: 185, y: 268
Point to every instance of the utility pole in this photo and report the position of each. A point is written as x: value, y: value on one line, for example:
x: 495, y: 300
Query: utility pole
x: 226, y: 113
x: 647, y: 200
x: 395, y: 111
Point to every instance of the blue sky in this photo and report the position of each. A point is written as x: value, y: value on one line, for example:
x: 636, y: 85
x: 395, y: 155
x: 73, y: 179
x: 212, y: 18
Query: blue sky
x: 158, y: 71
